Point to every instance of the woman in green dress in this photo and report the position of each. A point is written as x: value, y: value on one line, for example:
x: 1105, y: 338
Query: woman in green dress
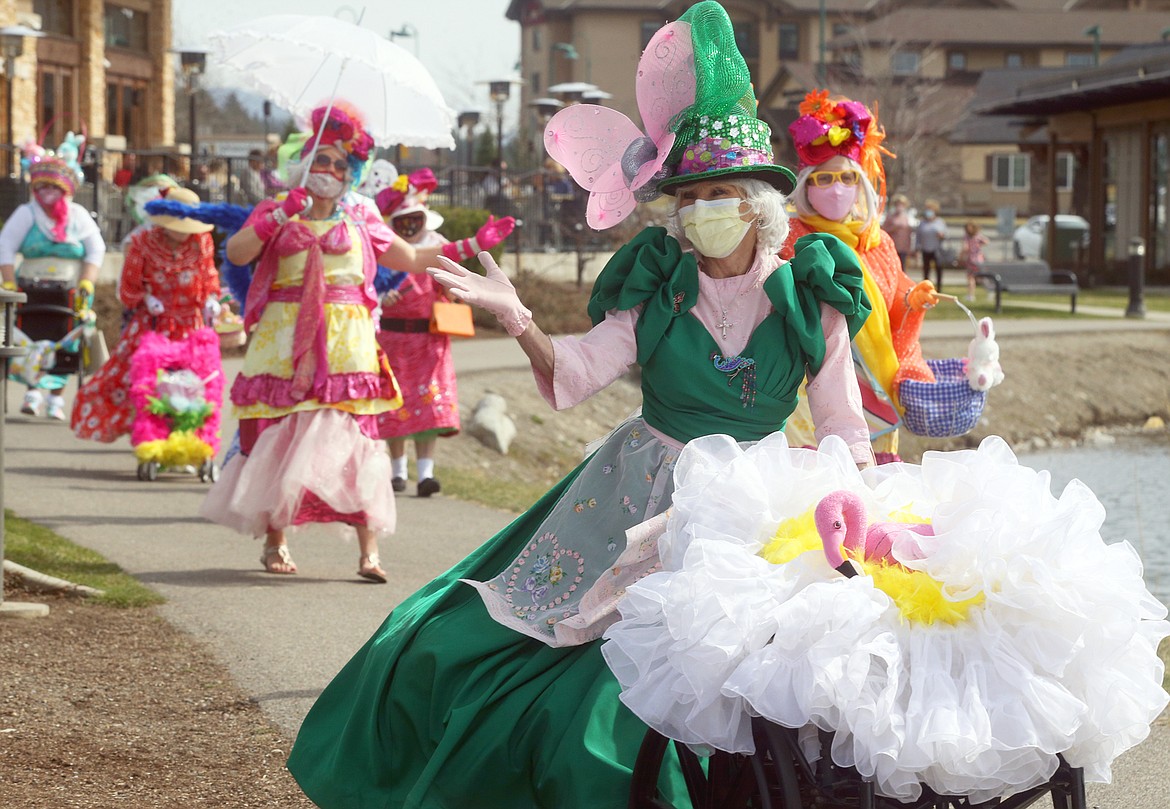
x: 487, y: 687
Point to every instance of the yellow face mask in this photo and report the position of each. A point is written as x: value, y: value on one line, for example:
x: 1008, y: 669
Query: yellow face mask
x: 714, y: 227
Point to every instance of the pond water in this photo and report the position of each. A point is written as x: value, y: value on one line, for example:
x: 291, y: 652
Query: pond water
x: 1131, y: 478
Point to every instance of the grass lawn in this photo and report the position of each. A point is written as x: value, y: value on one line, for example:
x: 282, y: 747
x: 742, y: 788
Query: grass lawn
x: 36, y: 547
x: 1015, y: 306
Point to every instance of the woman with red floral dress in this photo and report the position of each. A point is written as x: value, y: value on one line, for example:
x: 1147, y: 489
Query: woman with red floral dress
x: 169, y: 284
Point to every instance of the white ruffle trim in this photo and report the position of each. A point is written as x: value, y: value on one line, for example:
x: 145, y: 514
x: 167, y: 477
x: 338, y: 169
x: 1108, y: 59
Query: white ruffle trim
x: 1059, y: 657
x: 322, y: 451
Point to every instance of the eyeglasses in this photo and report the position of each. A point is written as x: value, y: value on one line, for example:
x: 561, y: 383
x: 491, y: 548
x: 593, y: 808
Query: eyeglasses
x: 325, y: 161
x: 823, y: 179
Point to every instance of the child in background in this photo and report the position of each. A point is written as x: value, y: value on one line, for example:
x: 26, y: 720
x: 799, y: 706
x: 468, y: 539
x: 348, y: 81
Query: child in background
x: 973, y: 244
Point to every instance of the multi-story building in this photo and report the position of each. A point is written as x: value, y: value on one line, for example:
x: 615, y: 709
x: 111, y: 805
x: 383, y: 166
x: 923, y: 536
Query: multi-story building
x: 105, y: 68
x: 919, y: 60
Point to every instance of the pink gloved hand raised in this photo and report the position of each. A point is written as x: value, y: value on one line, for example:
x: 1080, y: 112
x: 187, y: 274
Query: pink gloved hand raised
x: 493, y: 291
x: 298, y: 201
x: 488, y: 236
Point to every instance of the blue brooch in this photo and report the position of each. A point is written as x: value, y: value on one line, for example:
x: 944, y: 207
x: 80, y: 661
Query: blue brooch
x: 745, y: 369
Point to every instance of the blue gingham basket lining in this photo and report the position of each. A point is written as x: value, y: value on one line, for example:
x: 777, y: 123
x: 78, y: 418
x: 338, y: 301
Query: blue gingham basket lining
x: 944, y: 408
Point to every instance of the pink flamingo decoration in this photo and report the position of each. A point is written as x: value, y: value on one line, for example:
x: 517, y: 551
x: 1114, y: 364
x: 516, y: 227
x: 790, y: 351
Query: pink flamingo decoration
x: 840, y: 521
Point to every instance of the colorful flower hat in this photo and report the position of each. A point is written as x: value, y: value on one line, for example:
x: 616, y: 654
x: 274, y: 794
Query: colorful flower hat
x: 55, y: 172
x: 720, y: 135
x: 344, y: 130
x: 829, y: 128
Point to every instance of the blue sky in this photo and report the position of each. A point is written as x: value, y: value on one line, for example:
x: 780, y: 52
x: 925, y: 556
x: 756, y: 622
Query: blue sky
x: 461, y: 42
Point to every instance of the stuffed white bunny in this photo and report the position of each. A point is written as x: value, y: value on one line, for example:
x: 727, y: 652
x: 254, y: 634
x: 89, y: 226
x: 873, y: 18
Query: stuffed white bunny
x: 983, y: 368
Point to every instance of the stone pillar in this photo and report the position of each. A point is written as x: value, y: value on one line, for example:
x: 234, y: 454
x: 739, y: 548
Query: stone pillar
x: 161, y: 90
x: 91, y: 33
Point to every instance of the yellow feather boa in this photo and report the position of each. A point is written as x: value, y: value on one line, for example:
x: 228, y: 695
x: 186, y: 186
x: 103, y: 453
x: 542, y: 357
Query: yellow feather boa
x: 875, y: 342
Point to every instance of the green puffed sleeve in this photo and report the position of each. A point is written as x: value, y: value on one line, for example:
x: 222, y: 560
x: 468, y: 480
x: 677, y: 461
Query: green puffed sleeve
x: 823, y: 270
x: 651, y: 270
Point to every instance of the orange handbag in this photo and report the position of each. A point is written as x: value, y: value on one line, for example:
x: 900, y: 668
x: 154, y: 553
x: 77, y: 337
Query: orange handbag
x: 453, y: 319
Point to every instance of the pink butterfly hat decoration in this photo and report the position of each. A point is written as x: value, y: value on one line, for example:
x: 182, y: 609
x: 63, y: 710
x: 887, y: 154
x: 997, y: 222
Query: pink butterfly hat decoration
x: 606, y: 153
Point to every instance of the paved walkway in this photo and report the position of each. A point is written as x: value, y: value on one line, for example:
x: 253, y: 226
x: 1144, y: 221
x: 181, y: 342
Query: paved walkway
x: 283, y: 638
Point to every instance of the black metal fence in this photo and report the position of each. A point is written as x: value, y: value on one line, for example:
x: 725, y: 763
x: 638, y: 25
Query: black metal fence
x: 549, y: 206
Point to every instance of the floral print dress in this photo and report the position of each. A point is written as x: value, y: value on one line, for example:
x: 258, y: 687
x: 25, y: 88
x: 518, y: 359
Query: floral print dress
x: 182, y: 277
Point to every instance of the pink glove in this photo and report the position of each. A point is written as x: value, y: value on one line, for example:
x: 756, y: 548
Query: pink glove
x: 493, y: 292
x: 492, y: 233
x: 297, y: 201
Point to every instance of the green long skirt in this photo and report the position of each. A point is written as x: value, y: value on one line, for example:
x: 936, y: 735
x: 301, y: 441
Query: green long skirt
x: 443, y: 708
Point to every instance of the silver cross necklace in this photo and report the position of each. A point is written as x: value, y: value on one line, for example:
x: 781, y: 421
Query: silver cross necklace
x: 724, y: 324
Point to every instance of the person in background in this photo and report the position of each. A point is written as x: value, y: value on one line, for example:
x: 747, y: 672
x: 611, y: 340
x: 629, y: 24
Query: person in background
x: 314, y: 379
x: 930, y: 235
x: 52, y: 225
x: 897, y: 224
x: 973, y: 243
x: 252, y: 186
x: 169, y: 284
x: 421, y: 361
x: 839, y: 189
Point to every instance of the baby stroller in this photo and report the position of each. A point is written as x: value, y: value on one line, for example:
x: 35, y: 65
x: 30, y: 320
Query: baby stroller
x: 177, y: 392
x: 48, y: 320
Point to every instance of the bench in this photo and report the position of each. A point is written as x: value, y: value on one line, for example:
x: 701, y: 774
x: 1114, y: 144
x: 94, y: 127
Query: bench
x: 1029, y: 278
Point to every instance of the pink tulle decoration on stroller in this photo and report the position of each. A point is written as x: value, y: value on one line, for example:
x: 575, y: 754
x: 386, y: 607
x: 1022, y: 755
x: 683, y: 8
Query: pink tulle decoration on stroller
x: 176, y: 387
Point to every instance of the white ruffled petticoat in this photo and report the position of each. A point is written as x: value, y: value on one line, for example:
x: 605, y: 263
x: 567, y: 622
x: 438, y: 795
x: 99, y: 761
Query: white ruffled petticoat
x: 1056, y: 653
x: 322, y: 451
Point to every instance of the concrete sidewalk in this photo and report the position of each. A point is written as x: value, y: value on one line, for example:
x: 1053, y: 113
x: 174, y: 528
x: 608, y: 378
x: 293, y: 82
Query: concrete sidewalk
x: 283, y: 638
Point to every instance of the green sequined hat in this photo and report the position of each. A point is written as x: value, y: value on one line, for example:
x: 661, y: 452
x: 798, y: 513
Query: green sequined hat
x: 720, y: 135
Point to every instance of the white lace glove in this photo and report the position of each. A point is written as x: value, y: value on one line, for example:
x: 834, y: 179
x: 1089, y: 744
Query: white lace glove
x: 154, y: 306
x: 211, y: 310
x: 493, y: 292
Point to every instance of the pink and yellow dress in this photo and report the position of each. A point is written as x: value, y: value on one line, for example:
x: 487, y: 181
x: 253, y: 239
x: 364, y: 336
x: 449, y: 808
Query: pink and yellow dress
x: 313, y: 384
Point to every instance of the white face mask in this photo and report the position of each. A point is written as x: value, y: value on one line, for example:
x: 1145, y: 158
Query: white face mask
x: 324, y: 185
x: 714, y: 227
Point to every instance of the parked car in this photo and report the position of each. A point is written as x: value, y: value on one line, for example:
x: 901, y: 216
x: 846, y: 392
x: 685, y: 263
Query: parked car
x: 1030, y: 239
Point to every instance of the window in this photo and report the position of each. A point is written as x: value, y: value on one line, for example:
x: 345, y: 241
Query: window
x: 1066, y: 166
x: 536, y: 37
x: 957, y: 61
x: 904, y: 63
x: 649, y: 29
x: 1076, y: 59
x: 125, y: 115
x: 126, y: 28
x: 1013, y: 60
x: 789, y: 41
x: 56, y: 16
x: 1010, y: 172
x: 536, y: 89
x: 57, y: 101
x: 747, y: 39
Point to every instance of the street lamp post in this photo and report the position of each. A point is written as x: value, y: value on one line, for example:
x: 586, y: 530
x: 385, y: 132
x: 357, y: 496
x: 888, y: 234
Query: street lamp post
x: 12, y: 41
x: 1137, y: 258
x: 193, y: 62
x: 406, y: 30
x: 500, y: 91
x: 823, y: 24
x: 467, y: 122
x: 1094, y: 31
